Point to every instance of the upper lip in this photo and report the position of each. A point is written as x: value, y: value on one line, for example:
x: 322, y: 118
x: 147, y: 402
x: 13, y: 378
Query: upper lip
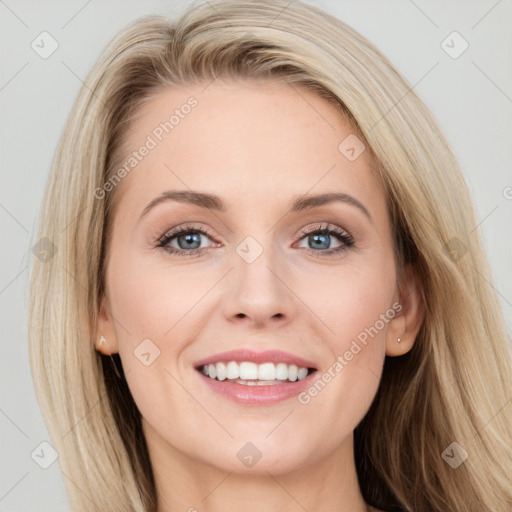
x: 267, y: 356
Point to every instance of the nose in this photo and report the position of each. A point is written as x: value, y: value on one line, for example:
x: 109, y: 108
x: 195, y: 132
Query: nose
x: 258, y: 294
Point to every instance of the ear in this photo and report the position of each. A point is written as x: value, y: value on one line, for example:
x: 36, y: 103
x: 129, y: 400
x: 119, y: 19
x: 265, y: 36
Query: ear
x: 408, y: 320
x: 106, y: 341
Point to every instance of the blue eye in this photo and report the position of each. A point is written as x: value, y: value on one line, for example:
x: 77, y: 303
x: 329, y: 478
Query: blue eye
x: 320, y: 238
x: 188, y: 241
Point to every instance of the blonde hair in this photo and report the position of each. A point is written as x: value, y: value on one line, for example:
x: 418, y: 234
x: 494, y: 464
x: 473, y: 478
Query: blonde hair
x: 455, y: 383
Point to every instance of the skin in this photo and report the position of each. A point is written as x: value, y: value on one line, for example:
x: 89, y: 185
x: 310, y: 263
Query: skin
x: 257, y: 145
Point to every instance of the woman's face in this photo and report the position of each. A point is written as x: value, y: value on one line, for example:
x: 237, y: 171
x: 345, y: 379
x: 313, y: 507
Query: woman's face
x: 252, y: 272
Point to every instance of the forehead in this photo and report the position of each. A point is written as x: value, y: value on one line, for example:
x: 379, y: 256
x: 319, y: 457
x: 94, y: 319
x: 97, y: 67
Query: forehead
x: 245, y: 140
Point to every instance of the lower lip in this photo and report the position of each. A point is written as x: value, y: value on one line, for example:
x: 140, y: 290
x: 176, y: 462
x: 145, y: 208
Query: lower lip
x: 256, y: 395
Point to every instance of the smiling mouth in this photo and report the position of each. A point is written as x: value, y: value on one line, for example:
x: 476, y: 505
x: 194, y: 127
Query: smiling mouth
x: 251, y: 374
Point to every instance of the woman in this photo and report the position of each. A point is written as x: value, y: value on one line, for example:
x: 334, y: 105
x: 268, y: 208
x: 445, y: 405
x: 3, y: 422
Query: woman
x: 328, y: 342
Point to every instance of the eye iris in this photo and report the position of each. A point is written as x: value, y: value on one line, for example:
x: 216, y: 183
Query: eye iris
x: 315, y: 239
x: 190, y: 238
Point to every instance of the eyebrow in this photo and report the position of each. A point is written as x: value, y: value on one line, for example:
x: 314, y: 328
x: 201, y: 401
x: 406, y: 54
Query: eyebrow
x: 213, y: 202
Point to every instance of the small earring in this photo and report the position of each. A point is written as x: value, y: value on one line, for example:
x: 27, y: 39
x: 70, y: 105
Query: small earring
x: 102, y: 340
x: 398, y: 339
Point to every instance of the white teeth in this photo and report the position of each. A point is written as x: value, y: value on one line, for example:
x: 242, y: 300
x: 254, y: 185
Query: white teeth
x: 221, y: 371
x: 248, y: 370
x: 267, y: 371
x: 233, y: 370
x: 302, y: 373
x: 282, y: 371
x: 253, y: 374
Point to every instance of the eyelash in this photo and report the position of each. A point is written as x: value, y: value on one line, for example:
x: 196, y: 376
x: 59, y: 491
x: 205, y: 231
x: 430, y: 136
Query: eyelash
x: 346, y: 239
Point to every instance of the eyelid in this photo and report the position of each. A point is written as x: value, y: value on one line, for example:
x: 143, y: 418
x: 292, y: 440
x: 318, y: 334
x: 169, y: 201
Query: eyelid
x: 325, y: 227
x: 177, y: 230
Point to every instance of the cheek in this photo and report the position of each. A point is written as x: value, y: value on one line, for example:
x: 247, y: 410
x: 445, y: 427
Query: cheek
x: 150, y: 304
x: 156, y: 317
x: 357, y: 308
x: 149, y: 298
x: 351, y: 298
x: 360, y: 306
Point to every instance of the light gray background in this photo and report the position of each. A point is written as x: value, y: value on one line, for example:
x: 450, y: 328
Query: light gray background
x: 471, y: 97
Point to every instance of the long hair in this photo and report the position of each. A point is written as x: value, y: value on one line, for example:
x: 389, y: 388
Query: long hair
x: 454, y: 386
